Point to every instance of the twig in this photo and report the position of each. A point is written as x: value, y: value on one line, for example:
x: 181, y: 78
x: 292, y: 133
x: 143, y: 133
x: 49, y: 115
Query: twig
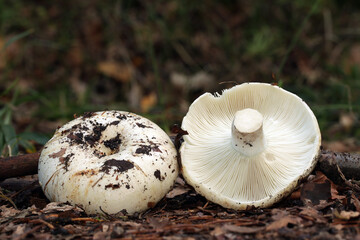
x: 3, y: 196
x: 41, y: 221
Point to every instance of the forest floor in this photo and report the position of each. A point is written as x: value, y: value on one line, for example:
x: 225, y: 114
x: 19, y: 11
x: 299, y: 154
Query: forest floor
x: 318, y: 209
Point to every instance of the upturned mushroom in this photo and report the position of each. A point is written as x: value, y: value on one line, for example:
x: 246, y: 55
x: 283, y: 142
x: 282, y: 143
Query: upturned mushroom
x: 250, y: 146
x: 108, y: 163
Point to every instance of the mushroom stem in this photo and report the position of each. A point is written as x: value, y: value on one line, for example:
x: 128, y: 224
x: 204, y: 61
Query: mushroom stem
x: 247, y: 132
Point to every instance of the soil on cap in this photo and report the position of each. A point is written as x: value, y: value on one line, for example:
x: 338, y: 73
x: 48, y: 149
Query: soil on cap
x: 122, y: 117
x: 113, y: 143
x: 117, y: 165
x: 114, y: 123
x: 144, y: 149
x: 65, y: 160
x: 76, y: 137
x: 97, y: 131
x: 157, y: 174
x: 112, y: 186
x: 142, y: 125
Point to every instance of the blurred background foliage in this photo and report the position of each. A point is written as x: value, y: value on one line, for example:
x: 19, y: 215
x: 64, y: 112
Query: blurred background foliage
x: 60, y: 58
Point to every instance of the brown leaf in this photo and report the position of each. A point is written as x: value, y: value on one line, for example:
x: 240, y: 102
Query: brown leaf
x: 157, y: 224
x: 316, y: 190
x: 283, y: 222
x: 312, y: 214
x: 148, y: 102
x: 345, y: 215
x: 100, y: 235
x: 8, y: 211
x: 322, y: 178
x: 242, y: 229
x: 19, y: 231
x: 296, y: 194
x: 59, y: 207
x: 278, y: 213
x: 118, y: 71
x: 177, y: 191
x: 218, y: 231
x: 356, y: 202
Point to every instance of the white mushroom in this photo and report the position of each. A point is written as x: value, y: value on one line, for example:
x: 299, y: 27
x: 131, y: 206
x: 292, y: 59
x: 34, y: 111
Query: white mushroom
x: 250, y: 146
x: 108, y: 162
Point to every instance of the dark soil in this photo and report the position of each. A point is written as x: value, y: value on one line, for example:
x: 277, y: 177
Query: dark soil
x: 319, y: 209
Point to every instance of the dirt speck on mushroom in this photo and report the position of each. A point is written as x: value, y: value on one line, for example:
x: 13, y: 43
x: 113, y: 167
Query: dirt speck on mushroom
x: 113, y: 143
x: 119, y: 166
x: 144, y: 149
x: 142, y: 125
x: 157, y: 174
x: 112, y: 186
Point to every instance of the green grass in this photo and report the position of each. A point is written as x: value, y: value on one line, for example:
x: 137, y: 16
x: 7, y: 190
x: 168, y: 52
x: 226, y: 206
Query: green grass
x: 231, y: 41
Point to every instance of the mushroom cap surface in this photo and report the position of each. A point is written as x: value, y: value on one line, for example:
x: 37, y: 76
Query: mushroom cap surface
x: 241, y: 170
x: 108, y: 162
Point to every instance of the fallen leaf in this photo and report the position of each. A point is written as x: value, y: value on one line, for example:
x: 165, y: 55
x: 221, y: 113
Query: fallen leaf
x: 312, y: 214
x: 8, y: 211
x: 295, y: 195
x: 345, y: 215
x: 316, y: 190
x: 100, y: 235
x: 59, y: 207
x: 217, y: 232
x: 148, y: 102
x: 283, y: 222
x: 118, y: 71
x: 277, y: 214
x: 157, y: 224
x: 19, y: 231
x: 356, y: 202
x: 176, y: 192
x: 324, y: 204
x: 242, y: 229
x: 322, y: 178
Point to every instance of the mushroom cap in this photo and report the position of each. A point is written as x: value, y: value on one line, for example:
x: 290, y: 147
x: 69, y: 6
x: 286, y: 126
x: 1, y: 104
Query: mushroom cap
x: 241, y: 178
x: 108, y: 162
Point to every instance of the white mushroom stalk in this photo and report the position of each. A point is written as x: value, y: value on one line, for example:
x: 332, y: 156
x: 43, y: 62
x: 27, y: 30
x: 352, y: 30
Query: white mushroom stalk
x: 247, y: 132
x: 108, y: 162
x: 250, y: 146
